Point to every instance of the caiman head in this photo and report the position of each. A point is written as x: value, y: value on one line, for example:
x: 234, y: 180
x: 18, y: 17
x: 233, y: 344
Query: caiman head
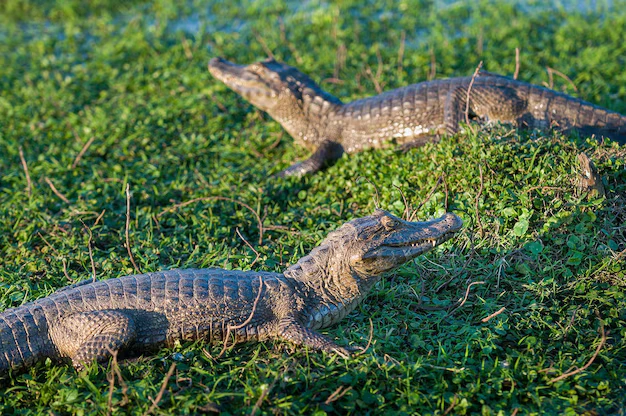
x: 381, y: 242
x: 346, y: 265
x: 351, y: 259
x: 269, y: 83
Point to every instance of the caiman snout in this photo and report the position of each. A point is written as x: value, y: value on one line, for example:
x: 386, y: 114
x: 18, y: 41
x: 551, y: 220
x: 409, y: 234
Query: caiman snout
x: 214, y: 61
x: 218, y: 61
x: 253, y: 82
x: 218, y: 66
x: 450, y: 221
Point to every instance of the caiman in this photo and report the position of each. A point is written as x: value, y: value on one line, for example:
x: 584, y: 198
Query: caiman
x: 411, y: 115
x: 92, y: 320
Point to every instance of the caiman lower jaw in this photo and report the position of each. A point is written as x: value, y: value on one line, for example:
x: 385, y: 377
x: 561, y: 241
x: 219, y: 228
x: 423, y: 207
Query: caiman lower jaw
x: 409, y: 250
x: 428, y: 242
x: 434, y: 242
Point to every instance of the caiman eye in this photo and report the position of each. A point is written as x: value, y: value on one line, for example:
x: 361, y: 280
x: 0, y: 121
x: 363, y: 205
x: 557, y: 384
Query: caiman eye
x: 389, y: 223
x: 256, y: 67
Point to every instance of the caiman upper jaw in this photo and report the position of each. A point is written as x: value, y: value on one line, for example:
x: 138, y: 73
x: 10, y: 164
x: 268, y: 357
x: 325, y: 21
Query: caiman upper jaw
x: 231, y: 74
x: 408, y: 250
x: 249, y: 81
x: 223, y: 68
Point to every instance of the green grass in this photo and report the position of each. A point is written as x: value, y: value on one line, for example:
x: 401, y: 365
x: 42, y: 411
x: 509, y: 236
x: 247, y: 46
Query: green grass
x: 133, y: 77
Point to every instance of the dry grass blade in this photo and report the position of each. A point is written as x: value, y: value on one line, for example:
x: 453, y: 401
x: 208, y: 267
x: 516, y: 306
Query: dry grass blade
x: 493, y: 315
x: 209, y: 408
x: 369, y: 339
x: 432, y: 73
x: 377, y: 201
x: 67, y: 276
x: 218, y: 103
x: 544, y: 188
x: 29, y: 184
x: 114, y: 372
x: 465, y: 298
x: 464, y: 267
x: 467, y: 100
x: 379, y: 59
x: 374, y: 79
x: 186, y: 47
x: 571, y: 322
x: 93, y: 264
x: 445, y: 190
x: 480, y: 192
x: 116, y: 368
x: 218, y: 198
x: 82, y: 152
x: 249, y: 245
x: 155, y: 401
x: 111, y: 379
x: 337, y: 394
x: 430, y: 194
x: 562, y: 75
x: 56, y: 191
x: 63, y: 260
x: 516, y: 73
x: 285, y: 41
x: 591, y: 360
x: 336, y: 81
x: 340, y: 60
x: 130, y: 252
x: 407, y: 207
x: 99, y: 217
x: 48, y: 244
x: 263, y: 44
x: 264, y: 393
x: 207, y: 354
x: 453, y: 404
x: 230, y: 328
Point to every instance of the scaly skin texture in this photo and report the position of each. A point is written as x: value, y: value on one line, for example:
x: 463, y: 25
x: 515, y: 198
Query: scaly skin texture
x: 411, y: 115
x: 91, y: 320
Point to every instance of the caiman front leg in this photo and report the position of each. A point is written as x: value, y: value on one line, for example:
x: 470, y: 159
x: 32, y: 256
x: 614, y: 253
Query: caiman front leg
x: 294, y: 331
x: 326, y: 155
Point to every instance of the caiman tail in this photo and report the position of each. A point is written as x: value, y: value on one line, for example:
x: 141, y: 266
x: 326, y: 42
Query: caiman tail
x: 501, y: 98
x: 22, y: 340
x: 548, y: 108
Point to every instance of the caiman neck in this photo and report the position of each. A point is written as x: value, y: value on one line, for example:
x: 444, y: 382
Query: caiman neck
x: 330, y: 286
x: 307, y: 119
